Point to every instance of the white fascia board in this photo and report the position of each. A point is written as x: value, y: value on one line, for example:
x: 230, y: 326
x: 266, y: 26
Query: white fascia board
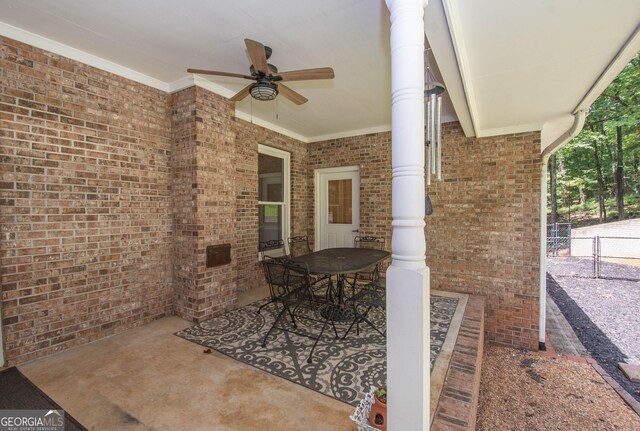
x: 438, y: 32
x: 81, y: 56
x: 623, y: 57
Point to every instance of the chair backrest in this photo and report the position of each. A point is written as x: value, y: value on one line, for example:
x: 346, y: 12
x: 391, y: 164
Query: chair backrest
x: 272, y: 248
x: 275, y: 274
x: 297, y: 275
x: 298, y: 246
x: 373, y: 242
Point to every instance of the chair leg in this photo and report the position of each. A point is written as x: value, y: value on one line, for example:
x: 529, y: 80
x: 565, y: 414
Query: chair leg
x: 356, y: 321
x: 324, y: 326
x: 370, y: 323
x: 264, y: 341
x: 362, y: 317
x: 271, y: 301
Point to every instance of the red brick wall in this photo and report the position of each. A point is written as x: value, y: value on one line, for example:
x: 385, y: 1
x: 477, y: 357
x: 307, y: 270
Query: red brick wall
x: 110, y: 192
x: 372, y: 153
x: 483, y: 237
x: 184, y: 193
x: 216, y: 200
x: 85, y: 202
x: 247, y: 139
x: 204, y: 202
x: 484, y: 234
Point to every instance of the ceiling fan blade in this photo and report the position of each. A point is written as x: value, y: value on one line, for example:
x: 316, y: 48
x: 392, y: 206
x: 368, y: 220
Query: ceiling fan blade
x: 241, y: 94
x: 257, y: 55
x: 302, y: 75
x: 295, y: 97
x: 215, y: 72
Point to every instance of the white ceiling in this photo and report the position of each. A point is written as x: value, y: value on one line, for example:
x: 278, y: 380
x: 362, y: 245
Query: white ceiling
x: 509, y: 66
x: 524, y: 64
x: 162, y: 38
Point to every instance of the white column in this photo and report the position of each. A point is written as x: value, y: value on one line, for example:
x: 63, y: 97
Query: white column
x: 408, y: 277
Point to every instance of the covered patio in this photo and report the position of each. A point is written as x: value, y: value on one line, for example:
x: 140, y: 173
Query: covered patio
x: 122, y: 176
x: 149, y: 378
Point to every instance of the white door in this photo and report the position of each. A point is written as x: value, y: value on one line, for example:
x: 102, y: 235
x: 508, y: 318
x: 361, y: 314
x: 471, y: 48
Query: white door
x: 337, y: 207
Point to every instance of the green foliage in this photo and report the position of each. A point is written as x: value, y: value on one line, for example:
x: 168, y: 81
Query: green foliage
x: 617, y: 106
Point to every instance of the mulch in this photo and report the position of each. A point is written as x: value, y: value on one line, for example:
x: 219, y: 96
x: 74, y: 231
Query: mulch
x: 525, y: 391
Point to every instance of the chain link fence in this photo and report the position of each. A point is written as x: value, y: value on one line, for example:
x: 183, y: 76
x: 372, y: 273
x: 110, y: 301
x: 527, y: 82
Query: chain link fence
x: 559, y: 239
x: 591, y: 256
x: 615, y: 254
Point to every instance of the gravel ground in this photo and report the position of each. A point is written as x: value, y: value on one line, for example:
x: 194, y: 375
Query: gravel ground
x: 604, y: 313
x: 523, y: 391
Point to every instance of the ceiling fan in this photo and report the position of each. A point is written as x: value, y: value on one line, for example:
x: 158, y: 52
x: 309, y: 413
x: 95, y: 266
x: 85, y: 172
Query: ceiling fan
x: 268, y: 81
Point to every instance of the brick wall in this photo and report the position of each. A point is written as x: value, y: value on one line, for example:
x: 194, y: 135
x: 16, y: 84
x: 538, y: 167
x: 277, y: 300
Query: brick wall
x: 204, y: 206
x: 248, y: 136
x: 484, y: 234
x: 184, y: 181
x: 110, y: 192
x: 372, y: 153
x: 483, y: 237
x: 216, y: 200
x: 84, y: 202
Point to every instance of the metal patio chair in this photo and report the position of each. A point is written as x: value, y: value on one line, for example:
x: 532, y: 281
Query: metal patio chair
x: 368, y: 297
x: 300, y: 295
x: 298, y: 246
x: 272, y: 250
x: 372, y: 274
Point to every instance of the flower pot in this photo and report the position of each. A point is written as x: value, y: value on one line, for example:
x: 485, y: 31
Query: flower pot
x: 378, y: 415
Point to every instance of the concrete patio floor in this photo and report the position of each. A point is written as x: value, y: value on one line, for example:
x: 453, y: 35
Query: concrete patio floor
x: 148, y: 379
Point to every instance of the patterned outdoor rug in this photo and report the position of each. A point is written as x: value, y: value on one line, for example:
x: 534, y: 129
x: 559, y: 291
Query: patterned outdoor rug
x: 342, y: 369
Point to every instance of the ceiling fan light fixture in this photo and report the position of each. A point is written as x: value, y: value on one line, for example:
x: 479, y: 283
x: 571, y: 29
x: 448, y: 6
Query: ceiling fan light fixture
x: 264, y: 91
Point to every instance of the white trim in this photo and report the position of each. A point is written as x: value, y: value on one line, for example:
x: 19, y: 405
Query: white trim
x: 191, y: 80
x: 459, y: 47
x: 286, y: 156
x: 621, y: 59
x: 316, y: 197
x: 81, y: 56
x: 168, y: 87
x: 268, y: 125
x: 350, y: 133
x: 509, y: 130
x: 444, y: 53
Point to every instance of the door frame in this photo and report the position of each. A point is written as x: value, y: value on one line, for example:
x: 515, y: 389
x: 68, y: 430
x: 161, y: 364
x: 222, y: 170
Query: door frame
x: 316, y: 180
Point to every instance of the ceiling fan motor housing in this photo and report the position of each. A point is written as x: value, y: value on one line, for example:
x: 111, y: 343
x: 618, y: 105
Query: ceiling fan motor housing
x: 272, y: 70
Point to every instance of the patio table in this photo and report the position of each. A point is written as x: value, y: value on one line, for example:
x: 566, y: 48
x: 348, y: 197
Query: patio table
x: 339, y: 262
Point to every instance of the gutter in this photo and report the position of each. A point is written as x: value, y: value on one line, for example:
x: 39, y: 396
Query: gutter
x: 576, y: 127
x: 617, y: 63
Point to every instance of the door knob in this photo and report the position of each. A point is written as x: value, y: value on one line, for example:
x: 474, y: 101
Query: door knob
x: 357, y: 230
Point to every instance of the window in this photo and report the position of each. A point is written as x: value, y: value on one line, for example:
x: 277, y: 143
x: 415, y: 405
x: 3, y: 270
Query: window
x: 273, y: 193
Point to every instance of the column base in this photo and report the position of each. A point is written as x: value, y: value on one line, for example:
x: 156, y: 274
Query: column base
x: 408, y: 370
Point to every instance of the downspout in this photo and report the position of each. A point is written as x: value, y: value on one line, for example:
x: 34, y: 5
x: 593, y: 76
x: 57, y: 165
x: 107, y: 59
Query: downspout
x: 576, y: 127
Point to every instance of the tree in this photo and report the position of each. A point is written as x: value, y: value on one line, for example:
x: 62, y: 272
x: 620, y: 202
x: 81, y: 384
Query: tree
x: 610, y: 138
x: 619, y: 175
